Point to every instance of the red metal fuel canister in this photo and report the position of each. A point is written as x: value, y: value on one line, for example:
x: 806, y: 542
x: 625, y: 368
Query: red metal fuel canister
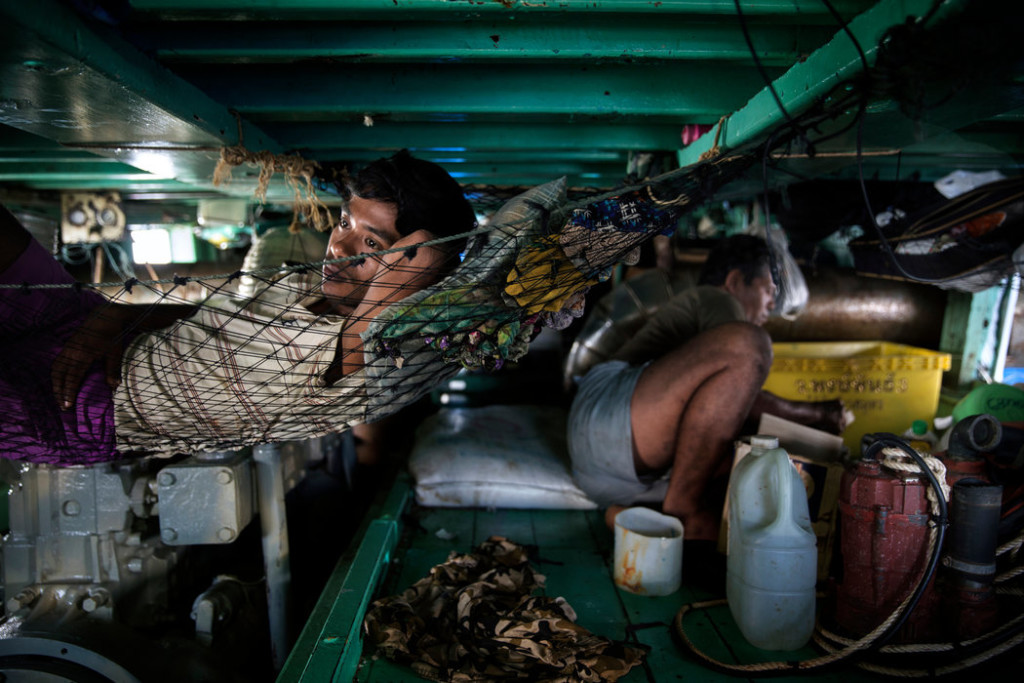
x: 884, y: 529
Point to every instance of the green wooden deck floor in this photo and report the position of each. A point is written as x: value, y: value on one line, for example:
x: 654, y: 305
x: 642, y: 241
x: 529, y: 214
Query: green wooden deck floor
x: 574, y: 550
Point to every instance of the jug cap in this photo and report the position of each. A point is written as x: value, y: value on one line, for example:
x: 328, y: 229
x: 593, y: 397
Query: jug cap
x: 764, y: 442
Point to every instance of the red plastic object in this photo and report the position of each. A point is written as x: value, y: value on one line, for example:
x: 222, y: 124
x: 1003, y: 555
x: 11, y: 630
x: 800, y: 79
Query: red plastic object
x: 884, y: 528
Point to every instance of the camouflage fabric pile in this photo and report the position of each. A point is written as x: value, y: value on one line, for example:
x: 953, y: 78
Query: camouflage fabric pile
x: 475, y: 618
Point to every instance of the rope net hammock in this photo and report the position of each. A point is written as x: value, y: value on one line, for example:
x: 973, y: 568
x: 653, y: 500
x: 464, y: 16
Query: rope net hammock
x: 248, y: 367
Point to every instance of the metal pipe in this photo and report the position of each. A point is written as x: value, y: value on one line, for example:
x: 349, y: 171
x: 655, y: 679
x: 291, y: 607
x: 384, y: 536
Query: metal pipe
x: 842, y: 306
x: 974, y: 524
x: 846, y: 307
x: 276, y: 557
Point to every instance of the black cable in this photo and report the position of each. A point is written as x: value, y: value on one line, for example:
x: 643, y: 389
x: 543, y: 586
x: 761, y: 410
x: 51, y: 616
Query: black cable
x: 862, y: 105
x: 760, y: 67
x: 859, y: 122
x: 878, y: 229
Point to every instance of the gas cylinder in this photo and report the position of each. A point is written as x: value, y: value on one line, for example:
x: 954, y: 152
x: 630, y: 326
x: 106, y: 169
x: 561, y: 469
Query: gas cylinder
x: 773, y: 558
x: 884, y: 529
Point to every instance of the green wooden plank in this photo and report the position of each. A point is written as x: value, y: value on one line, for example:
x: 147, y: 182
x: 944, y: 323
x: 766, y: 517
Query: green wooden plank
x: 583, y: 579
x: 446, y: 529
x: 334, y: 138
x: 563, y: 529
x: 594, y: 37
x: 380, y: 670
x: 665, y: 658
x: 142, y: 183
x: 338, y: 643
x: 802, y: 85
x: 515, y: 525
x: 51, y: 60
x: 60, y: 177
x: 324, y: 92
x: 330, y: 644
x: 320, y: 8
x: 131, y: 99
x: 965, y: 332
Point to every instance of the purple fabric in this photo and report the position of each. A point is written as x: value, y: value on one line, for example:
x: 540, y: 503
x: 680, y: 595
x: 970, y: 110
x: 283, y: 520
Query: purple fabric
x: 34, y: 324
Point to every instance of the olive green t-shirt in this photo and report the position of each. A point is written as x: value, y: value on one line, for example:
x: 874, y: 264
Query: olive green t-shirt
x: 679, y: 320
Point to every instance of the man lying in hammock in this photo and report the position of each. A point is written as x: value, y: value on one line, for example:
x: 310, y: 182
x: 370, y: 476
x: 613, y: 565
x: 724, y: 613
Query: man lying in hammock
x: 86, y: 380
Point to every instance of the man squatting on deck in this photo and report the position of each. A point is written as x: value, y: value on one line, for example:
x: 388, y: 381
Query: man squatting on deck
x: 657, y: 422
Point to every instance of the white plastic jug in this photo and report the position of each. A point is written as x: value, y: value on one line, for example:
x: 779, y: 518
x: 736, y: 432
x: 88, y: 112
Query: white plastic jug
x: 772, y: 563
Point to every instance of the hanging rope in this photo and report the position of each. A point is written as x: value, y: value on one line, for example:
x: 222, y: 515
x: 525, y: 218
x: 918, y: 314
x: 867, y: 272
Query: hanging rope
x: 299, y: 174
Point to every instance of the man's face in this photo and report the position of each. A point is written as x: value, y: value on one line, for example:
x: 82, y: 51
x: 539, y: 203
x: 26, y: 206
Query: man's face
x: 757, y: 297
x: 366, y: 226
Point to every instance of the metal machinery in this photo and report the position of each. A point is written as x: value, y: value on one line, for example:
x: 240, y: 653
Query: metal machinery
x: 151, y: 570
x: 886, y: 521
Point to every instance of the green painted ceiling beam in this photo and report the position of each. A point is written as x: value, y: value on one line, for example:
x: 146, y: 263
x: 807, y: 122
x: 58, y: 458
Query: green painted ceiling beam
x: 144, y: 183
x: 635, y: 134
x: 593, y: 37
x: 67, y: 166
x: 318, y: 8
x: 85, y: 87
x: 53, y: 61
x: 48, y: 156
x: 483, y: 170
x: 51, y: 177
x: 484, y: 157
x: 806, y: 82
x: 691, y: 95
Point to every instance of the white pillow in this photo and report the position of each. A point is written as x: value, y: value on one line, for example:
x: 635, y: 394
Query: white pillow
x: 495, y: 457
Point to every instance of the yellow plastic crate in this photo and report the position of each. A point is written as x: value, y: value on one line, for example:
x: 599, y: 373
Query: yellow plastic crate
x: 886, y: 386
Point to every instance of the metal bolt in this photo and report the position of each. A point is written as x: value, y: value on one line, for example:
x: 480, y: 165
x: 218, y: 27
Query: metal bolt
x: 166, y: 479
x: 95, y: 600
x: 224, y: 477
x: 24, y: 598
x: 72, y: 508
x: 226, y: 534
x: 168, y: 535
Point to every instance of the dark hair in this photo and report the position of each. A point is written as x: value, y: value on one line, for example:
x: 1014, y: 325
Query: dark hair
x: 747, y: 253
x: 426, y: 196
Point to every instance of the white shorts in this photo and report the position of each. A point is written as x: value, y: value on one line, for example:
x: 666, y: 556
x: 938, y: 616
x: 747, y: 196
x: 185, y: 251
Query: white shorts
x: 601, y: 438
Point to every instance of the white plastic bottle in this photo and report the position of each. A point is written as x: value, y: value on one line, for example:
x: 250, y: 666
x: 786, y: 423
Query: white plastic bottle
x: 772, y: 563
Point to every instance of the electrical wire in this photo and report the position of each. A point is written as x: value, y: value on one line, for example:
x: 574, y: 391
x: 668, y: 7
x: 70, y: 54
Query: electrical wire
x: 886, y: 247
x: 120, y: 262
x: 760, y: 67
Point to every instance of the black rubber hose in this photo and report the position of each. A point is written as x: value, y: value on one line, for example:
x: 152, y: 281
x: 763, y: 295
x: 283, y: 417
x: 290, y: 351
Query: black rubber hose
x: 942, y: 523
